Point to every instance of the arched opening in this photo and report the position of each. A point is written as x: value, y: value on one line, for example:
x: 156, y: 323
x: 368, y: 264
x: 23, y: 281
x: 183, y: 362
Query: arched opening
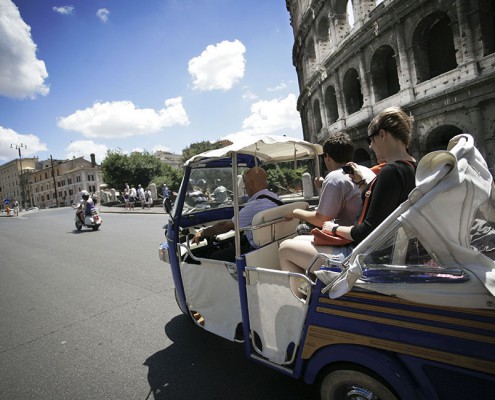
x: 487, y: 25
x: 433, y: 44
x: 317, y: 116
x: 310, y: 56
x: 352, y: 91
x: 323, y: 36
x: 331, y: 105
x: 439, y: 138
x: 350, y: 13
x: 384, y: 73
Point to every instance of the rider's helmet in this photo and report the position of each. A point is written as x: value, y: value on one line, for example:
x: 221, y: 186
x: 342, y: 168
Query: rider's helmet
x: 85, y: 194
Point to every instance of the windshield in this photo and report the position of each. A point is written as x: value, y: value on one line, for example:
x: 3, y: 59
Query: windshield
x: 212, y: 188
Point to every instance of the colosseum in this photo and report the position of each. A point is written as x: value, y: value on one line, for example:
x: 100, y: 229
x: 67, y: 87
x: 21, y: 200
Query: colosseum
x: 435, y: 58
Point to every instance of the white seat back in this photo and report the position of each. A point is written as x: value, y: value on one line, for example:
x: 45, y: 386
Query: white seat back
x: 280, y: 228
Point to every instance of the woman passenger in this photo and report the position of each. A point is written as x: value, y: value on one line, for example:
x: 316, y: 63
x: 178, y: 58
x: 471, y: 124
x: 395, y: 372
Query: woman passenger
x: 389, y: 136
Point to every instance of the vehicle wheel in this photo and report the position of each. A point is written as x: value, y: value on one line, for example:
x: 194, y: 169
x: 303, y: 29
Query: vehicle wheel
x: 78, y: 225
x: 353, y: 385
x: 95, y: 227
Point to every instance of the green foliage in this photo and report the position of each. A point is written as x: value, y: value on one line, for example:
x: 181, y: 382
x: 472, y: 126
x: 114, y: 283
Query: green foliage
x: 170, y: 176
x: 137, y: 168
x: 200, y: 147
x: 285, y: 178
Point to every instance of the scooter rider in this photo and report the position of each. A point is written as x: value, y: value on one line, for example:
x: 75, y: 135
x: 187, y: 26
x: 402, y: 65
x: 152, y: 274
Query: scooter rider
x: 85, y: 205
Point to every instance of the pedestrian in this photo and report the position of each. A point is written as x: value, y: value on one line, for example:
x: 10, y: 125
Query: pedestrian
x: 16, y: 207
x: 140, y: 193
x: 148, y: 198
x: 126, y: 196
x: 132, y: 197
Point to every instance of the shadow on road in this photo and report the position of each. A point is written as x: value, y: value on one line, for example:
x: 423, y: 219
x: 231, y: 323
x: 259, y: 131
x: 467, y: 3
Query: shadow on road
x: 199, y: 365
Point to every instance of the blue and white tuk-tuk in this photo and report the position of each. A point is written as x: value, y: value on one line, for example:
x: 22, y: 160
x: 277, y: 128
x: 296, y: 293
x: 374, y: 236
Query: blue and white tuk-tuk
x: 410, y: 314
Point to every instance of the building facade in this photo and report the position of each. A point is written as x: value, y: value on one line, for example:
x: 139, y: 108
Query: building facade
x: 435, y: 58
x: 48, y: 183
x: 174, y: 160
x: 57, y: 182
x: 14, y: 180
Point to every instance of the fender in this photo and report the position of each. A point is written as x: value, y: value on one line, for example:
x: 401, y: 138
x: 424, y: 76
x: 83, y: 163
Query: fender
x: 382, y: 363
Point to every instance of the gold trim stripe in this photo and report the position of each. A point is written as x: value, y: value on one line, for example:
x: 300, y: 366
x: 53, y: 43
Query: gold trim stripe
x: 415, y: 314
x: 408, y: 325
x: 319, y: 337
x: 397, y: 300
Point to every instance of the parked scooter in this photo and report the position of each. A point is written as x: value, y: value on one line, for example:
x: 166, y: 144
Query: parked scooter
x: 92, y: 221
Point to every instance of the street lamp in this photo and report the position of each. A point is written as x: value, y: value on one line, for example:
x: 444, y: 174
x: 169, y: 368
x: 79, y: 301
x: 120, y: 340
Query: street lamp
x: 18, y: 147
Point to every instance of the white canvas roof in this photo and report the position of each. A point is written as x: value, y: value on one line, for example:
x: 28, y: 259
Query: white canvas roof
x: 268, y: 148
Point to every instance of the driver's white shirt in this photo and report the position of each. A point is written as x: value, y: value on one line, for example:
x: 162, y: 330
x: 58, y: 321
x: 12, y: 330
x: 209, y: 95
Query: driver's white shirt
x: 254, y: 206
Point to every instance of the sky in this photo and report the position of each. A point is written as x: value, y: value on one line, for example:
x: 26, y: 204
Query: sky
x: 88, y: 76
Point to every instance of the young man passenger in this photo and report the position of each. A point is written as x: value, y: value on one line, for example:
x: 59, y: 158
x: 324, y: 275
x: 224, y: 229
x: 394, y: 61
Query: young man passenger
x: 340, y: 200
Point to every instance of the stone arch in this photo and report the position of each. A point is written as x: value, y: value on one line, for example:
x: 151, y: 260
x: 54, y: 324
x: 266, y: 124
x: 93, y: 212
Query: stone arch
x: 318, y: 124
x: 352, y: 91
x: 323, y: 36
x: 340, y: 18
x: 384, y: 75
x: 487, y: 25
x: 331, y: 105
x: 438, y: 138
x: 310, y: 54
x: 433, y: 46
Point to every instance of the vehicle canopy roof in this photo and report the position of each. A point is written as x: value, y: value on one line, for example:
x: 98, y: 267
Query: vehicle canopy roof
x: 262, y: 149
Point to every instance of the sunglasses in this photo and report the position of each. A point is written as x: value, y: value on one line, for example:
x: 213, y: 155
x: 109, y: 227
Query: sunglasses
x: 369, y: 139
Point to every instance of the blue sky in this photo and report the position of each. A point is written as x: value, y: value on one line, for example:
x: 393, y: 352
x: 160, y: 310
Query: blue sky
x: 89, y: 75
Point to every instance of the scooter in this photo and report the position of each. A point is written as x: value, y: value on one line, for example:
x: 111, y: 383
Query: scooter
x: 92, y: 221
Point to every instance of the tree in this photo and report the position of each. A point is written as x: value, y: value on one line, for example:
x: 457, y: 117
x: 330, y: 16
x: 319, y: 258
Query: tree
x: 200, y: 147
x: 137, y: 168
x: 170, y: 176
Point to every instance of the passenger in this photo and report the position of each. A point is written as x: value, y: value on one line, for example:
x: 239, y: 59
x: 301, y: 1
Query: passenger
x: 340, y: 198
x: 260, y: 198
x: 389, y: 135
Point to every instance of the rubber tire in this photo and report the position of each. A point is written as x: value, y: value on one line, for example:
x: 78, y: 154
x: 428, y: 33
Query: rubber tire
x: 337, y: 385
x: 78, y: 225
x: 95, y: 227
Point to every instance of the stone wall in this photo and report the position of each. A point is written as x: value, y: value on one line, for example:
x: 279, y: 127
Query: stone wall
x: 435, y: 58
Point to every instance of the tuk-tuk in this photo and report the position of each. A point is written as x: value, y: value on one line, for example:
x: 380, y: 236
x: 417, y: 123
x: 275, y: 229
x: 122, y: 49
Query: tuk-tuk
x: 410, y: 314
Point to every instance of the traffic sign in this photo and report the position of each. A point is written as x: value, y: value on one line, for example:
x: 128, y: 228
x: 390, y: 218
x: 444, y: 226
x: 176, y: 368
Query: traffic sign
x: 6, y: 202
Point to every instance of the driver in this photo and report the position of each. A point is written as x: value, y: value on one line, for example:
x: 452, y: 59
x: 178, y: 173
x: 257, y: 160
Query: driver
x: 260, y: 198
x: 85, y: 205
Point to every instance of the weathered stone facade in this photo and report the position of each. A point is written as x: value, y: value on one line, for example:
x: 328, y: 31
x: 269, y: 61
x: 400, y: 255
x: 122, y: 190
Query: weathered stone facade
x: 435, y: 58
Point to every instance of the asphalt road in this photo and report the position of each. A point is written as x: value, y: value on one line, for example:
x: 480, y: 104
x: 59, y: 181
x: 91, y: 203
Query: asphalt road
x: 92, y: 315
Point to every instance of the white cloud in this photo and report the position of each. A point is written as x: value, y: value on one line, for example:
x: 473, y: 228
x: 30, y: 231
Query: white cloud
x: 31, y: 144
x: 278, y: 116
x: 64, y: 10
x: 21, y: 73
x: 281, y: 86
x: 120, y: 119
x: 84, y: 148
x: 248, y: 95
x: 219, y: 66
x: 268, y: 116
x: 102, y: 14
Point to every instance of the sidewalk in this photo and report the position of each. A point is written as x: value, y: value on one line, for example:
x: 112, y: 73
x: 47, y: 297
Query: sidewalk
x: 137, y: 210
